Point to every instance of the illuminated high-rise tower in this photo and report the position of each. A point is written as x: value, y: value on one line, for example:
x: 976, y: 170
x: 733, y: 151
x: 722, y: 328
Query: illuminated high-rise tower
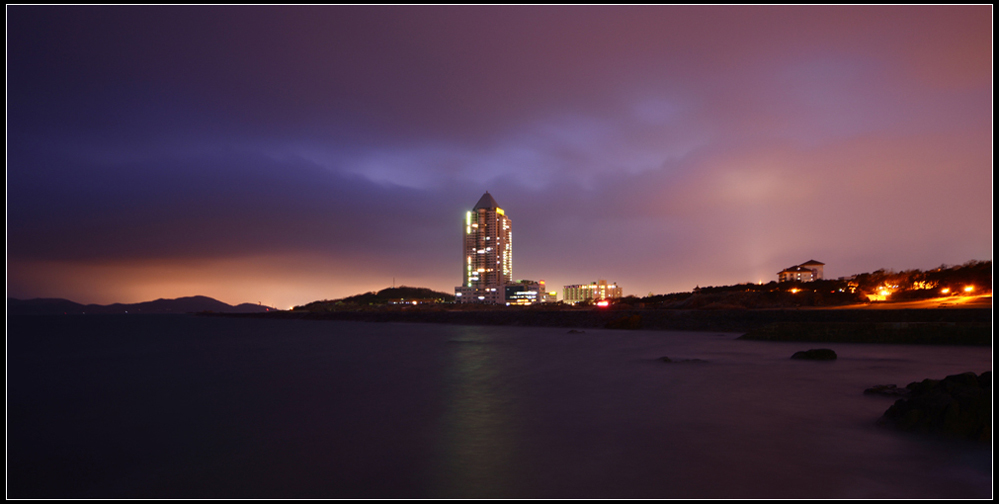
x: 487, y: 260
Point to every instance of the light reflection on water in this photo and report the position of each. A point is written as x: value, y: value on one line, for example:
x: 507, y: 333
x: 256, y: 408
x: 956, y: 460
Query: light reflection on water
x: 477, y: 438
x: 195, y: 407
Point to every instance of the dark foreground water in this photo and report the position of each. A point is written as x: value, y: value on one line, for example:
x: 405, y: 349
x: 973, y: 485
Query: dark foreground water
x: 182, y: 406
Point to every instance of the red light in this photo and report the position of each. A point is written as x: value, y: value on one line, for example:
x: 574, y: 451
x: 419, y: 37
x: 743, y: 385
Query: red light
x: 603, y: 304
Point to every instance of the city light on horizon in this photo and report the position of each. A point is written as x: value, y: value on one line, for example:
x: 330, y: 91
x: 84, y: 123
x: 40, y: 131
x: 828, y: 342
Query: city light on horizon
x: 283, y: 155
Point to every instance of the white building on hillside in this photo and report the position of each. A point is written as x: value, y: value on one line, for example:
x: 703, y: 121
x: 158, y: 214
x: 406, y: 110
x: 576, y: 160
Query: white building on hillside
x: 805, y: 272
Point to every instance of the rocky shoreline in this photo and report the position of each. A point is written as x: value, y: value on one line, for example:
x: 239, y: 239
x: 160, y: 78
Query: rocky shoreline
x: 957, y: 407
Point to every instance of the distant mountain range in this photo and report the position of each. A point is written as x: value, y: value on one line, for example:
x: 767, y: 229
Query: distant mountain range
x: 192, y: 304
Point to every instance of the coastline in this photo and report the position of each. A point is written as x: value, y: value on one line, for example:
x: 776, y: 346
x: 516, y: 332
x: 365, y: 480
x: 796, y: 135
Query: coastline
x: 966, y: 326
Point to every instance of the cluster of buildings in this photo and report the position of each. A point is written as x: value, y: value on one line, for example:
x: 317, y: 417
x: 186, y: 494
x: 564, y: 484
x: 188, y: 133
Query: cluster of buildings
x: 487, y: 271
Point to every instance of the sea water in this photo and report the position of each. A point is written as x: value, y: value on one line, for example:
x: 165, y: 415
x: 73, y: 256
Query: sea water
x: 182, y: 406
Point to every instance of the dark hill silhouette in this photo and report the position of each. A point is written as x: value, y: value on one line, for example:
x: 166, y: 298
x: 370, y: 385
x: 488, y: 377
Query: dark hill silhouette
x: 384, y: 296
x: 191, y: 304
x: 43, y: 306
x: 397, y: 293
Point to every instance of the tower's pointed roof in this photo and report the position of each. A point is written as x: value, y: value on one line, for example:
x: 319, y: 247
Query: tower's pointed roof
x: 486, y: 201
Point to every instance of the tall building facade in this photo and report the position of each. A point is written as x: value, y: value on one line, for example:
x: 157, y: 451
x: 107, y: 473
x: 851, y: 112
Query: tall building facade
x: 487, y: 253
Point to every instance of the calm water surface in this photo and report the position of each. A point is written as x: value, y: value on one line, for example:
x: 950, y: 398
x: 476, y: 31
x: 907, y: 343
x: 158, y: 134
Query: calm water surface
x: 182, y: 406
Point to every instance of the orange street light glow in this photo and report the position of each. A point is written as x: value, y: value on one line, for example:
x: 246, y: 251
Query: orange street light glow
x: 969, y: 288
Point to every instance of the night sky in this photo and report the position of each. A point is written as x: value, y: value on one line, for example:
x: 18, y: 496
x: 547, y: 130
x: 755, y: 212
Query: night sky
x: 290, y: 154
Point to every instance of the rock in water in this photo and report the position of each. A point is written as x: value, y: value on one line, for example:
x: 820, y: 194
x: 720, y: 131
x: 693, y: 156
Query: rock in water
x: 815, y: 354
x: 959, y: 406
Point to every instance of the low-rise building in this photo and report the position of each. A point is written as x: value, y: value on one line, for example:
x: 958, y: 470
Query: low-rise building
x: 528, y: 292
x: 596, y: 291
x: 483, y: 295
x: 524, y: 292
x: 804, y: 272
